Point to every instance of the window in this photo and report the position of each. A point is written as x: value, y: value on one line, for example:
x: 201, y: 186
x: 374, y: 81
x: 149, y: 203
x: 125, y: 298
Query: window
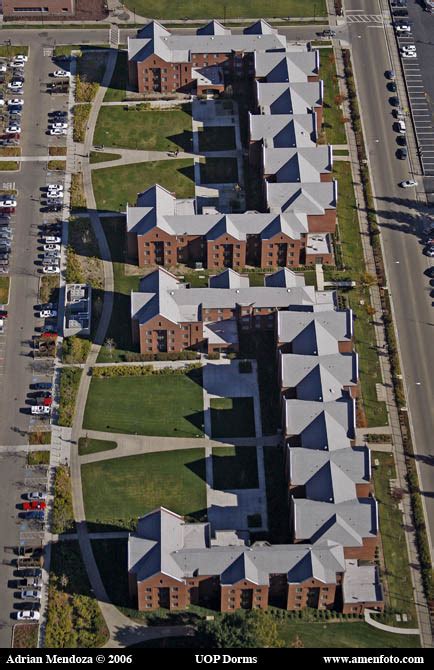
x: 298, y: 590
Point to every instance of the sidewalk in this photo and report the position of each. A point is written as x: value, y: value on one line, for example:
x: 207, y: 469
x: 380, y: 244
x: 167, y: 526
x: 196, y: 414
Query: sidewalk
x: 131, y: 156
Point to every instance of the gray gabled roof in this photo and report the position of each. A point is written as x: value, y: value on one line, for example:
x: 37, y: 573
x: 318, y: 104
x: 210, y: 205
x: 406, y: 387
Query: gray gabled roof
x: 317, y: 333
x: 321, y: 425
x: 308, y: 465
x: 289, y: 98
x: 286, y: 67
x: 298, y: 164
x: 311, y: 199
x: 285, y: 278
x: 283, y: 130
x: 346, y: 522
x: 165, y: 543
x: 213, y: 28
x: 318, y: 377
x: 228, y: 279
x: 175, y: 48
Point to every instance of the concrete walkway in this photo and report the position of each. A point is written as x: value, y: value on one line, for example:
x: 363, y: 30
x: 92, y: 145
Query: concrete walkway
x: 133, y: 445
x: 131, y: 156
x: 388, y: 629
x: 410, y: 535
x: 31, y: 159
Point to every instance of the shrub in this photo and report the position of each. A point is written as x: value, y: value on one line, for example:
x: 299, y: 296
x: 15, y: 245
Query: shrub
x: 213, y: 356
x: 63, y: 515
x: 75, y: 349
x: 69, y: 382
x: 140, y: 370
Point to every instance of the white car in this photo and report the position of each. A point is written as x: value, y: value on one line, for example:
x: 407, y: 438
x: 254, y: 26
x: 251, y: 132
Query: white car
x: 51, y: 239
x: 403, y: 28
x: 61, y: 73
x: 15, y: 101
x: 409, y: 54
x: 16, y: 86
x: 11, y: 130
x: 36, y: 495
x: 54, y: 195
x: 18, y: 64
x: 22, y: 58
x: 30, y: 594
x: 2, y: 102
x: 59, y: 125
x: 2, y: 67
x: 51, y: 247
x: 40, y: 409
x: 28, y: 615
x: 8, y: 202
x: 47, y: 313
x: 57, y: 131
x: 51, y: 270
x: 55, y: 187
x: 408, y: 183
x: 402, y: 128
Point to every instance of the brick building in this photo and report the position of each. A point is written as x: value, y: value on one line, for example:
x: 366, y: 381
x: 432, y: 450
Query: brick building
x: 168, y: 316
x: 173, y: 564
x: 26, y: 9
x: 162, y: 230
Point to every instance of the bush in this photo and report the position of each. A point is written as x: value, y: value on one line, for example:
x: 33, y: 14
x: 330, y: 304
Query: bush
x: 140, y: 370
x: 69, y: 382
x: 213, y: 356
x: 38, y: 457
x: 132, y: 356
x: 74, y: 273
x: 75, y: 349
x: 63, y: 515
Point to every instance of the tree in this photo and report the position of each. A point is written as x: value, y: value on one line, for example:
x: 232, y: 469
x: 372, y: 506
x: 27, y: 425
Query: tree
x: 110, y: 346
x: 240, y: 629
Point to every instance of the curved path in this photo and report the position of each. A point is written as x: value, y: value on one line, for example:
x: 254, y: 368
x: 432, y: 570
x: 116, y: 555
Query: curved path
x: 123, y: 632
x: 388, y: 629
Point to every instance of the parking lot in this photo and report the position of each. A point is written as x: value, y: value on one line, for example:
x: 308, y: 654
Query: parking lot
x: 419, y: 78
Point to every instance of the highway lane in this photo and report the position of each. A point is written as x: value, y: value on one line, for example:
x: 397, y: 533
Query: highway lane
x: 400, y: 217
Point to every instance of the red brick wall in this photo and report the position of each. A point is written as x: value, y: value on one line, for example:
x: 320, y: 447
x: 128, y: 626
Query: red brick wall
x: 232, y: 596
x: 167, y: 77
x: 55, y: 7
x: 322, y: 223
x: 298, y: 594
x: 179, y: 336
x: 359, y: 608
x: 364, y: 553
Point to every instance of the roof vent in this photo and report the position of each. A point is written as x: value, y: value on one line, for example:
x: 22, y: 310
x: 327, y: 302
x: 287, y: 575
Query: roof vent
x: 237, y: 290
x: 288, y: 290
x: 172, y: 292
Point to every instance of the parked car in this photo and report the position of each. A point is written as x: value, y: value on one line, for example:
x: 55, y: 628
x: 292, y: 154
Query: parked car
x: 3, y: 314
x: 429, y: 251
x: 394, y: 101
x: 47, y: 314
x: 39, y: 385
x: 51, y: 247
x: 53, y: 208
x: 34, y: 504
x: 59, y: 124
x: 55, y: 195
x: 36, y: 514
x: 408, y: 54
x: 61, y: 73
x: 28, y: 615
x: 390, y: 74
x: 55, y: 187
x: 28, y: 572
x: 17, y: 65
x: 401, y: 140
x: 402, y: 153
x: 39, y: 409
x: 15, y: 102
x: 22, y: 58
x: 52, y: 239
x: 15, y: 86
x: 57, y: 131
x: 408, y: 183
x: 37, y: 495
x: 11, y: 130
x: 30, y: 594
x: 51, y: 269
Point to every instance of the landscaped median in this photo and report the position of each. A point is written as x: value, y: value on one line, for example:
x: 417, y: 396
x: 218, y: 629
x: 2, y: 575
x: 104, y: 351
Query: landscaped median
x: 62, y: 520
x: 207, y: 9
x: 69, y: 383
x: 119, y: 490
x: 146, y: 401
x: 74, y: 619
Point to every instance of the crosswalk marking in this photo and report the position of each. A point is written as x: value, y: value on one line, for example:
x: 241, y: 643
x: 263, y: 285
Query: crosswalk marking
x: 365, y: 18
x: 48, y: 51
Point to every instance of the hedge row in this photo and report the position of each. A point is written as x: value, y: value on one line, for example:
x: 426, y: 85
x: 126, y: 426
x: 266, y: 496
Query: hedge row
x: 140, y: 370
x: 133, y: 356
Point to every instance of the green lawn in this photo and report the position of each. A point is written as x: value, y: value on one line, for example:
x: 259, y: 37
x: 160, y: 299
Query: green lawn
x: 217, y: 138
x: 206, y: 9
x: 342, y: 635
x: 232, y: 417
x: 91, y: 446
x: 349, y: 232
x: 4, y: 290
x: 116, y: 91
x: 102, y: 157
x: 169, y: 405
x: 235, y: 468
x: 138, y: 128
x: 114, y: 229
x: 400, y: 589
x: 369, y: 363
x: 332, y: 120
x: 219, y: 171
x: 114, y: 187
x: 120, y: 490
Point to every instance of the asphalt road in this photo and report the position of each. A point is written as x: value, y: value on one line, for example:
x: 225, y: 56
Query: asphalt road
x: 400, y: 217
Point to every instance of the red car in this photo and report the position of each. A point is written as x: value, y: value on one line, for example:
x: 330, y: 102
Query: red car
x: 34, y: 505
x: 47, y: 401
x: 48, y: 334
